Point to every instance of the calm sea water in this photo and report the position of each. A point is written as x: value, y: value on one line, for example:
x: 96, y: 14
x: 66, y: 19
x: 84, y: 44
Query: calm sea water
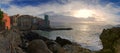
x: 87, y: 35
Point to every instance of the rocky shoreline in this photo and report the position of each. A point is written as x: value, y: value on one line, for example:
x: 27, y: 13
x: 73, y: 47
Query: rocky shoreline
x: 36, y: 43
x: 15, y: 41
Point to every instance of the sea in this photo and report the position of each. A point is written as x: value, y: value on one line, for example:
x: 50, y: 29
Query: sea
x: 85, y: 34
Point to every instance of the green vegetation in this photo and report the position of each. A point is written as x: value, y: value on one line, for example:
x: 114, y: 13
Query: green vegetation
x: 1, y: 14
x: 1, y: 22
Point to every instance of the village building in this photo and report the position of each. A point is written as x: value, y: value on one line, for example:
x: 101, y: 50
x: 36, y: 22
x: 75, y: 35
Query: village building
x: 27, y: 22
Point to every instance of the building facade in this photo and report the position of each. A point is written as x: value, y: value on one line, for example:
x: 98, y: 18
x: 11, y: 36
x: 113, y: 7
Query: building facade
x: 27, y: 22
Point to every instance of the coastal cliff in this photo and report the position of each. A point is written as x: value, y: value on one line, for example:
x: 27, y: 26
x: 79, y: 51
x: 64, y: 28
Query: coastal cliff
x: 111, y: 40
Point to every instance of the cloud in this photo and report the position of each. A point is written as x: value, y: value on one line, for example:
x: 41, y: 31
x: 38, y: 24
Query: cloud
x: 54, y: 7
x: 5, y: 1
x: 104, y: 12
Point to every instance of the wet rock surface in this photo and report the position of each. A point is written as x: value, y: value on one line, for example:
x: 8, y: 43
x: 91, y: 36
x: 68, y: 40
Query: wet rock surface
x: 62, y: 42
x: 75, y: 48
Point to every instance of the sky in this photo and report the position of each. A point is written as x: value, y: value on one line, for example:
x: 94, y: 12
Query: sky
x: 107, y: 11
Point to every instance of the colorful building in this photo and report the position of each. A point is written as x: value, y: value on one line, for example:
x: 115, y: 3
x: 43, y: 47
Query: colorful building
x: 27, y: 22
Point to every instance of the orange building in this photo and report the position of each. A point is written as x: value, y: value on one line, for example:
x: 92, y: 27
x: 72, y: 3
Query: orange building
x: 6, y: 19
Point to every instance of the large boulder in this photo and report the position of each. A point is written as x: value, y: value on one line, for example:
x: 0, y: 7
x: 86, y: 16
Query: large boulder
x: 38, y: 46
x: 110, y: 40
x: 55, y: 47
x: 30, y: 36
x: 69, y: 47
x: 62, y: 41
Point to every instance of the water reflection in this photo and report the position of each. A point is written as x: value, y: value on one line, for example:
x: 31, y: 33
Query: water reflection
x: 84, y: 28
x: 88, y: 36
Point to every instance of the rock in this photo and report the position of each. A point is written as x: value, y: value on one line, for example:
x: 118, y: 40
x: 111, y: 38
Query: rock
x: 10, y: 41
x: 62, y: 42
x: 117, y: 46
x: 75, y: 48
x: 4, y: 44
x: 29, y: 35
x: 55, y: 47
x: 110, y: 39
x: 38, y: 46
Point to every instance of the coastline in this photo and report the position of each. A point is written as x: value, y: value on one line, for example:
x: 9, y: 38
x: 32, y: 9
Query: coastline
x: 31, y: 42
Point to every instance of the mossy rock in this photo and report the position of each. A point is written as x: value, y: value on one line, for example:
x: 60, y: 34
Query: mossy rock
x: 109, y: 38
x: 117, y: 46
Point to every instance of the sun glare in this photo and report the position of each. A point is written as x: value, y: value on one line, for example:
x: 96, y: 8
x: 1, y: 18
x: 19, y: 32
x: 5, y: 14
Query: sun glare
x: 83, y: 13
